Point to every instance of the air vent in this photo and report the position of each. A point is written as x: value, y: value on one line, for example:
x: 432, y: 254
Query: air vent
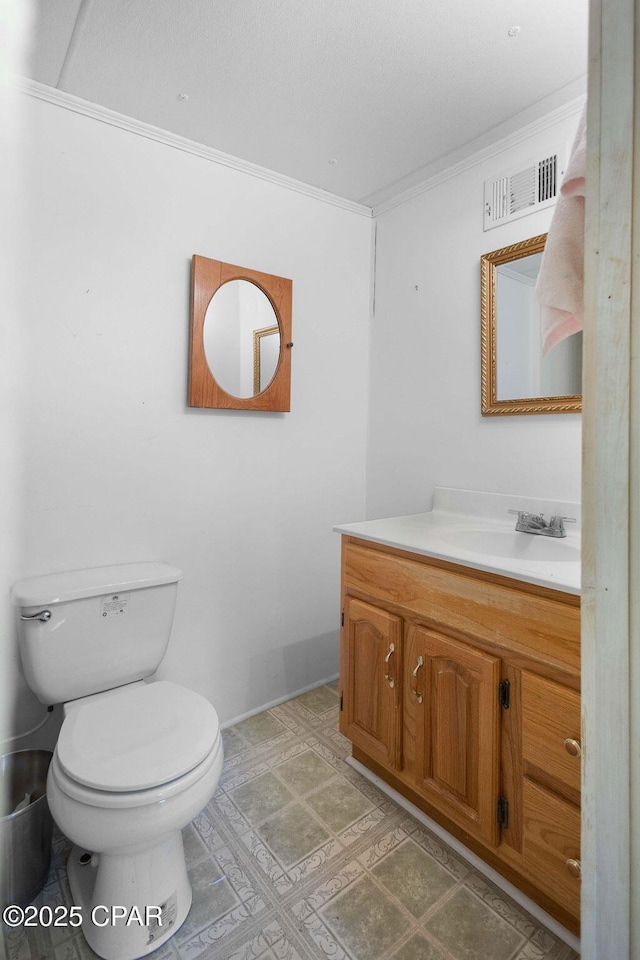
x: 525, y: 189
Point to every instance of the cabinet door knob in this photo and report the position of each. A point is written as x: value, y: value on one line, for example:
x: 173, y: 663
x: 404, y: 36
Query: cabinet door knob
x: 573, y: 866
x: 573, y: 747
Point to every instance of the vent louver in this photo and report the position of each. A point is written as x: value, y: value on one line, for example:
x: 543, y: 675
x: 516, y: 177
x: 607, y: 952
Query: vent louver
x: 525, y: 189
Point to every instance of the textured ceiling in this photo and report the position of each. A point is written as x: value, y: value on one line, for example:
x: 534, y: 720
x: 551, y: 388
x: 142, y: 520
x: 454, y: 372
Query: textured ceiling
x: 357, y: 97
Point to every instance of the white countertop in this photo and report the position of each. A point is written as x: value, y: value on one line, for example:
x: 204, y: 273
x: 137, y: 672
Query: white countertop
x: 474, y: 529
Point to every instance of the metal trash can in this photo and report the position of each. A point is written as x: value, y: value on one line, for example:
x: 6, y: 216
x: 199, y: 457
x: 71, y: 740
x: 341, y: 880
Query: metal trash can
x: 26, y: 825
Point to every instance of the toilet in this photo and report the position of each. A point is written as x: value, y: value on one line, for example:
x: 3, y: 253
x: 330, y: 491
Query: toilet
x: 135, y: 761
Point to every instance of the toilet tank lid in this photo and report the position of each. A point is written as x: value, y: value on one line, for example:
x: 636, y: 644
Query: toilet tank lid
x: 94, y: 582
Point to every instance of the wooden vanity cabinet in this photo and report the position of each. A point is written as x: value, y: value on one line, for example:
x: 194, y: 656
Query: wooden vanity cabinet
x: 460, y: 688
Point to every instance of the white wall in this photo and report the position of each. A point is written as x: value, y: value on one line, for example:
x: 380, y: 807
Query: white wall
x: 119, y: 468
x: 425, y: 423
x: 15, y: 697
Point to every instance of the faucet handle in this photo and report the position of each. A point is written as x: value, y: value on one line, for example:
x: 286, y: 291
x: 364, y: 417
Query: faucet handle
x: 530, y: 522
x: 556, y: 524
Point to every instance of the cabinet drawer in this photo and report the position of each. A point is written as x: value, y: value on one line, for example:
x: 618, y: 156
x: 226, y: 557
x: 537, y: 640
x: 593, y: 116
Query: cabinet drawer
x: 519, y: 619
x: 551, y: 845
x: 551, y: 728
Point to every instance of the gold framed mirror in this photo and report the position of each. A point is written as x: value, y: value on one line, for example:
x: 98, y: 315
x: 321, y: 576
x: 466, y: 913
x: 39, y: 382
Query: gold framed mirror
x: 516, y: 377
x: 235, y: 312
x: 266, y: 348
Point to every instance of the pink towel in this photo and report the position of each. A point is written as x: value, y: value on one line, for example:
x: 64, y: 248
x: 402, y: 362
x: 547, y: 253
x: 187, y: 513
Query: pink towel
x: 560, y: 281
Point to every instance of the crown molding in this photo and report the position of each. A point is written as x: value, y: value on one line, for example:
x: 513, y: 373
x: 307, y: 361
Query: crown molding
x: 94, y: 111
x: 569, y: 111
x: 68, y: 101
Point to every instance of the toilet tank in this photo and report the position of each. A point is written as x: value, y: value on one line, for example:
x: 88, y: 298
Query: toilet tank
x: 91, y: 630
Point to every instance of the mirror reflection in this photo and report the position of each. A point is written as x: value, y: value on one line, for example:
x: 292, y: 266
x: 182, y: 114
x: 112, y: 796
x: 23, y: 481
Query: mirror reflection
x: 522, y: 370
x: 266, y: 353
x: 516, y: 377
x: 238, y: 319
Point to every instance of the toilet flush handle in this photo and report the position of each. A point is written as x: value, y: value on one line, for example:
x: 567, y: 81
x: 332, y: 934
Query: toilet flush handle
x: 43, y: 615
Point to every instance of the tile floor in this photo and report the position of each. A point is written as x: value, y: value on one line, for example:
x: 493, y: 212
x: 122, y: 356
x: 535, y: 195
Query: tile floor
x: 298, y: 857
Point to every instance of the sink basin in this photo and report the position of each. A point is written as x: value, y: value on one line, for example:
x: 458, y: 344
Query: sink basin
x: 513, y: 545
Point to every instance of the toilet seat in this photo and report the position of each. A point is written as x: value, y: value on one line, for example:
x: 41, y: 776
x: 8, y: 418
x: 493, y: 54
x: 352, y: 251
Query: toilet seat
x: 114, y: 800
x: 137, y: 740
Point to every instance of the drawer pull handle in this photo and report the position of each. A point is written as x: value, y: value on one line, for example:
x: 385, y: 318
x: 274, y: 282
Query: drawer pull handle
x: 388, y: 676
x: 573, y: 866
x: 414, y: 673
x: 573, y: 747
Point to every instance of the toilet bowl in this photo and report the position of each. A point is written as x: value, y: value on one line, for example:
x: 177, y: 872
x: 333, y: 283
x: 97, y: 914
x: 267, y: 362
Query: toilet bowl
x: 135, y: 760
x: 132, y: 767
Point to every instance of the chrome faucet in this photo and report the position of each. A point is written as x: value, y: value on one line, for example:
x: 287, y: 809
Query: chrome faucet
x: 535, y: 523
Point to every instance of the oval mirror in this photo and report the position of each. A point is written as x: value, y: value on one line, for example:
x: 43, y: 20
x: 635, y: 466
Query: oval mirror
x: 241, y: 338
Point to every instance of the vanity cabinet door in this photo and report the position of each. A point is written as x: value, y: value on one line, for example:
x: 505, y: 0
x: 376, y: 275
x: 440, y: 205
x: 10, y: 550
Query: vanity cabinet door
x: 452, y: 690
x: 370, y: 668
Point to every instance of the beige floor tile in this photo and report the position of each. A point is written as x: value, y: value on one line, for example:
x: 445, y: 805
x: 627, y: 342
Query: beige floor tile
x: 293, y: 835
x: 195, y: 848
x: 418, y: 948
x: 213, y: 897
x: 414, y: 877
x: 261, y: 797
x: 262, y: 727
x: 319, y: 701
x: 272, y: 943
x: 339, y: 804
x: 366, y: 921
x: 305, y: 772
x: 233, y: 742
x: 470, y: 930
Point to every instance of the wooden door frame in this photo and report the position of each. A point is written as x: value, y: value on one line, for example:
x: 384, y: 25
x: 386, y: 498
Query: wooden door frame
x: 611, y: 504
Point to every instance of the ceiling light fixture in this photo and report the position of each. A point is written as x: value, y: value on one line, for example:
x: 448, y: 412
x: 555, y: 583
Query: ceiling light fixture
x: 513, y: 31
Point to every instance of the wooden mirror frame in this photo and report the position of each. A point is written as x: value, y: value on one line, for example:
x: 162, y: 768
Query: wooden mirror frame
x: 207, y: 277
x: 491, y: 406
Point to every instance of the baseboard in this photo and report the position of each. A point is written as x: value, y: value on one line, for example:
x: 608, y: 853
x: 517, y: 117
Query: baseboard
x: 275, y: 703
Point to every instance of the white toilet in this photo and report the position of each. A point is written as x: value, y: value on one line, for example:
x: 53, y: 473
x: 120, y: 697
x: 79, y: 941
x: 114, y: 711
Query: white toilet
x: 134, y: 762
